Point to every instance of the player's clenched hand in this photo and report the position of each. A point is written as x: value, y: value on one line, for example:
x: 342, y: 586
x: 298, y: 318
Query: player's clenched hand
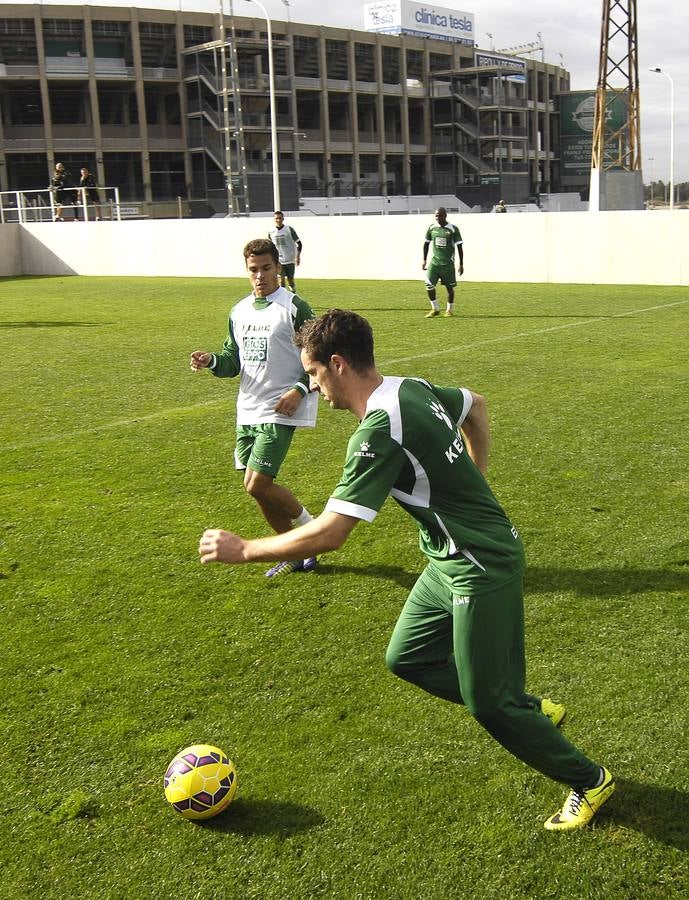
x: 220, y: 546
x: 289, y: 402
x: 199, y: 359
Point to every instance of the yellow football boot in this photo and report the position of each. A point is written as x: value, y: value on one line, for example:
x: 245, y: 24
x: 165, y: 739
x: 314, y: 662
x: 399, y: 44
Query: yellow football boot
x: 556, y: 712
x: 581, y: 806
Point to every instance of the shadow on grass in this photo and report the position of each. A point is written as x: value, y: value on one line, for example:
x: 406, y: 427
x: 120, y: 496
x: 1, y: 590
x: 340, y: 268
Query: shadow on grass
x: 661, y: 813
x: 606, y: 582
x: 52, y: 324
x: 265, y: 817
x: 404, y: 579
x: 29, y: 277
x: 541, y: 579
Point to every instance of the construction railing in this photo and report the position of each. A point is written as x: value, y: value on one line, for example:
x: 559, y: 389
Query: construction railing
x: 42, y: 206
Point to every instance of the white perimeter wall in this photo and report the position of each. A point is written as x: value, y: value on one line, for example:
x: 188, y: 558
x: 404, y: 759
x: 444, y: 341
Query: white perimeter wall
x: 586, y: 248
x: 10, y: 250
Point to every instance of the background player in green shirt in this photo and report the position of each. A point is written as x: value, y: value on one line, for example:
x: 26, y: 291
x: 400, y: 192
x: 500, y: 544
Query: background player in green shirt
x: 460, y: 635
x: 444, y: 238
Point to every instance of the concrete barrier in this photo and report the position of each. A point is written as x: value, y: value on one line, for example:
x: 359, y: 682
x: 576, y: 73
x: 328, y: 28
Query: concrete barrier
x: 581, y: 248
x: 10, y: 250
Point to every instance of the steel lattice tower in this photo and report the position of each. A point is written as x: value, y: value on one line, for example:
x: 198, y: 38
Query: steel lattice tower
x: 614, y: 146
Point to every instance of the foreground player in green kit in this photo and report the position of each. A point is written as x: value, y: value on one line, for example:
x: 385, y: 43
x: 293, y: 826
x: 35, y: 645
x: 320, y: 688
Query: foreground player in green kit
x: 460, y: 635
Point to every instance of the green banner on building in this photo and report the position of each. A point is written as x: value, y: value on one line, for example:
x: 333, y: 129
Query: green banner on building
x: 577, y: 114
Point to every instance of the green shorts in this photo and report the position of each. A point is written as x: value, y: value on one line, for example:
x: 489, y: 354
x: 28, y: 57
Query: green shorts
x: 288, y: 270
x: 262, y: 448
x: 445, y: 274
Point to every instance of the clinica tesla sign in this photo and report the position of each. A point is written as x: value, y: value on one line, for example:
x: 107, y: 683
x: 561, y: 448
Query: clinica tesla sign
x: 420, y: 19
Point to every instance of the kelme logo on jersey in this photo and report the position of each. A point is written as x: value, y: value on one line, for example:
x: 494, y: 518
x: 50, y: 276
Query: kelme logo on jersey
x: 455, y: 450
x: 364, y: 451
x: 439, y: 413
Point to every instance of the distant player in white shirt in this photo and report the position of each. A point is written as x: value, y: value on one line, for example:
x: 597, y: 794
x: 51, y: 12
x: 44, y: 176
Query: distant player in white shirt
x: 274, y: 396
x: 287, y: 241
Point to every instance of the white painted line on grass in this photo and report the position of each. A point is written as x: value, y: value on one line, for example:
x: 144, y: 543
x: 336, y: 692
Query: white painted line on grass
x: 170, y: 412
x: 181, y: 410
x: 520, y: 334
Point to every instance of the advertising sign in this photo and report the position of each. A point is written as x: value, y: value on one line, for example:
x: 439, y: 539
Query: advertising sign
x: 517, y: 66
x: 577, y: 114
x: 419, y: 19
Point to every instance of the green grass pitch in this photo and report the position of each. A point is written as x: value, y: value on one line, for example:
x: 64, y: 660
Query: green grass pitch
x: 117, y: 648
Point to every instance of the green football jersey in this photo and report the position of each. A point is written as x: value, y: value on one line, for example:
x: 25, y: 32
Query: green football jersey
x: 409, y: 445
x: 443, y: 240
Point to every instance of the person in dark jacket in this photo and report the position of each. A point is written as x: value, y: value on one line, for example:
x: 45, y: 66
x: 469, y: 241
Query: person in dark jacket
x: 88, y: 182
x: 59, y: 185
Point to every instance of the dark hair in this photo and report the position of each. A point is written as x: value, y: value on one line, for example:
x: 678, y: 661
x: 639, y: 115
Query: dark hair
x: 338, y: 331
x: 279, y: 212
x: 261, y: 246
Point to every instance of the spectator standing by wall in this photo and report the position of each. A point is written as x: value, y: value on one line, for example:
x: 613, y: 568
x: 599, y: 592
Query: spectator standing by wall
x: 91, y: 195
x: 59, y: 186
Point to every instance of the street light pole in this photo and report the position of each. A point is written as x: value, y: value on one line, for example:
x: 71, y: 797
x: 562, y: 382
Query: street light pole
x: 226, y: 112
x: 672, y: 131
x: 273, y: 117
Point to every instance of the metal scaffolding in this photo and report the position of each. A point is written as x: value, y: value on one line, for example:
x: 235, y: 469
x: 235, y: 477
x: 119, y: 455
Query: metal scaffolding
x: 615, y: 145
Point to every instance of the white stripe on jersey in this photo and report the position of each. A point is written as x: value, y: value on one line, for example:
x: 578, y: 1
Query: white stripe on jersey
x: 470, y: 556
x: 345, y: 508
x: 468, y: 403
x: 451, y: 546
x: 422, y: 486
x: 386, y: 397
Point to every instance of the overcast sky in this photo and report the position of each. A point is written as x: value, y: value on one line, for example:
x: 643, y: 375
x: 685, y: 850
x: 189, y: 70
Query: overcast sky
x: 570, y: 30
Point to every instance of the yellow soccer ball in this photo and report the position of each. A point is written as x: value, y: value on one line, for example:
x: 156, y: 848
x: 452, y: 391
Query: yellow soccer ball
x: 200, y: 782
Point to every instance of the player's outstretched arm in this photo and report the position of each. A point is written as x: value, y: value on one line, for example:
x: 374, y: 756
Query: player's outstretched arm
x: 476, y: 430
x: 328, y: 532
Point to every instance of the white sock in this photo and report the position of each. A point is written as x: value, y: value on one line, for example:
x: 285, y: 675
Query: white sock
x: 435, y: 305
x: 303, y: 517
